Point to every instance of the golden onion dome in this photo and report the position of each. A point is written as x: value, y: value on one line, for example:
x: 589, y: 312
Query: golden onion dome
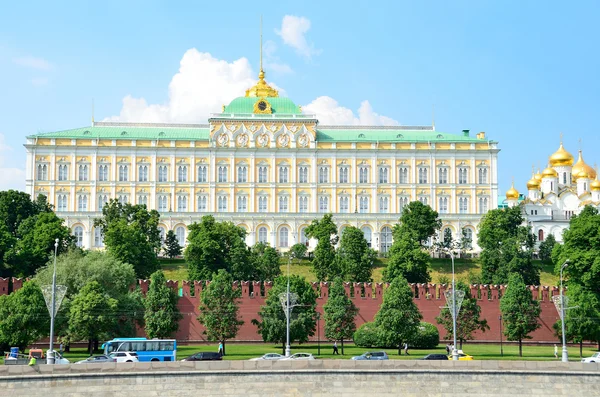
x: 583, y: 174
x: 580, y: 166
x: 549, y: 172
x: 533, y: 183
x: 512, y: 193
x: 561, y: 157
x: 595, y: 185
x: 538, y: 176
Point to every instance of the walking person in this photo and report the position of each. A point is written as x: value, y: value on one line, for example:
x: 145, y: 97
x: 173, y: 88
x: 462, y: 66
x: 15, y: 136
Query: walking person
x: 335, y: 349
x: 221, y: 348
x: 447, y: 348
x: 406, y: 349
x: 555, y: 351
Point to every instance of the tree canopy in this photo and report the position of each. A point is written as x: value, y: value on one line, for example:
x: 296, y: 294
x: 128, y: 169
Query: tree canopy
x: 339, y: 313
x: 172, y: 247
x: 520, y: 312
x: 219, y: 308
x: 420, y: 221
x: 407, y: 259
x: 162, y: 315
x: 324, y: 263
x: 272, y: 323
x: 266, y: 262
x: 131, y: 235
x: 28, y: 230
x: 356, y: 258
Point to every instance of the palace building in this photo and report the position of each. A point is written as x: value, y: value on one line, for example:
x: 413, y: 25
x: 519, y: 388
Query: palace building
x: 554, y: 195
x: 268, y: 167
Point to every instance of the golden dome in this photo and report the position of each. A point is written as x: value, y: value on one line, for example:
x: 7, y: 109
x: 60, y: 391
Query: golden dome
x: 580, y: 166
x: 538, y: 176
x: 512, y: 193
x: 583, y: 174
x: 595, y: 185
x: 561, y: 157
x: 533, y: 183
x: 549, y: 172
x: 262, y: 89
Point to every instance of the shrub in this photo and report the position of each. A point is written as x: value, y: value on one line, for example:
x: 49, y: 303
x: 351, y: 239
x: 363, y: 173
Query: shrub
x: 443, y: 279
x: 427, y: 337
x: 366, y: 335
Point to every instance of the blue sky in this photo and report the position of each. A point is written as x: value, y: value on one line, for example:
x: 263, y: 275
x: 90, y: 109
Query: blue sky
x: 522, y: 71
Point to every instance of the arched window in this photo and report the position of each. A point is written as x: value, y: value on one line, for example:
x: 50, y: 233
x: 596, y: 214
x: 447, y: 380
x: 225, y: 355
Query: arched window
x: 283, y: 237
x: 262, y: 204
x: 163, y: 175
x: 162, y: 203
x: 323, y: 204
x: 323, y: 175
x: 343, y: 175
x: 78, y: 233
x: 262, y: 174
x: 202, y: 172
x: 242, y: 203
x: 123, y: 173
x: 468, y: 237
x: 62, y: 203
x: 262, y: 235
x: 383, y: 175
x: 363, y: 175
x: 98, y: 240
x: 82, y: 203
x: 162, y: 233
x: 222, y: 175
x: 202, y: 202
x: 383, y: 205
x: 42, y: 172
x: 63, y: 172
x: 303, y: 204
x: 303, y: 175
x: 386, y: 239
x: 367, y: 232
x: 283, y: 204
x: 180, y: 234
x: 344, y: 205
x: 103, y: 173
x: 283, y: 174
x: 403, y: 175
x: 181, y: 204
x: 303, y: 238
x: 540, y: 235
x: 222, y: 204
x: 364, y: 205
x: 143, y: 173
x: 182, y: 173
x: 242, y: 174
x: 102, y: 200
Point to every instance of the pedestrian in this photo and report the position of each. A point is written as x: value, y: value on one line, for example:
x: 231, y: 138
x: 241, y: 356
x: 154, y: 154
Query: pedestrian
x: 60, y: 349
x: 447, y: 348
x: 221, y: 348
x: 335, y: 349
x: 555, y: 351
x: 406, y: 349
x: 32, y: 361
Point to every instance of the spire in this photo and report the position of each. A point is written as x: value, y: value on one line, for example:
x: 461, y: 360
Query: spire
x: 261, y: 89
x: 92, y: 112
x: 433, y: 116
x: 261, y: 47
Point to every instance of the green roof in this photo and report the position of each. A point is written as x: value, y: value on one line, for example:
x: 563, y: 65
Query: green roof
x: 131, y: 132
x: 390, y: 135
x: 245, y: 105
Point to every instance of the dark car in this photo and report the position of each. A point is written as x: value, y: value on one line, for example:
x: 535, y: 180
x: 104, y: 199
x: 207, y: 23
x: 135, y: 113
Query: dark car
x: 435, y: 357
x: 204, y: 356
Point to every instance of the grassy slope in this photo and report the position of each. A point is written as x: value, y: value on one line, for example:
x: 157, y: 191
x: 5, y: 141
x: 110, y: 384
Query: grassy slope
x: 176, y: 269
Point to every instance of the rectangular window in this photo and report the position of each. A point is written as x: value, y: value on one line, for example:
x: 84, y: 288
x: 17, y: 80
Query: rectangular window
x: 403, y: 175
x: 82, y: 203
x: 343, y: 174
x: 202, y: 173
x: 83, y: 172
x: 42, y: 172
x: 283, y: 204
x: 442, y: 175
x: 363, y: 205
x: 443, y: 205
x: 283, y: 174
x: 222, y: 204
x: 163, y: 173
x: 463, y: 205
x: 103, y: 173
x: 482, y: 175
x: 323, y: 175
x: 262, y: 174
x: 242, y: 204
x: 383, y: 174
x: 262, y: 204
x: 323, y: 204
x: 63, y: 172
x: 182, y: 204
x: 422, y: 175
x: 62, y: 203
x: 242, y: 174
x: 303, y: 175
x: 383, y: 205
x: 182, y: 173
x: 163, y: 203
x: 363, y: 175
x: 143, y: 173
x: 344, y: 207
x: 462, y: 176
x: 222, y: 174
x: 202, y: 201
x: 123, y: 173
x: 303, y: 204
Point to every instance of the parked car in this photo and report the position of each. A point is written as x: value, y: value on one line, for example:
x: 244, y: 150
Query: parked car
x: 204, y: 356
x: 124, y: 357
x: 59, y: 359
x: 435, y: 357
x: 299, y: 356
x: 98, y: 359
x: 372, y: 356
x: 595, y: 358
x: 268, y: 356
x: 461, y: 356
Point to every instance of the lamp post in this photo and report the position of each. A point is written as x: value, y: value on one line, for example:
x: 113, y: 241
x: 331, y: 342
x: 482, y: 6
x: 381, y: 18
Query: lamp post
x: 565, y: 353
x: 454, y: 351
x: 501, y: 349
x: 50, y: 357
x: 287, y: 309
x: 318, y: 334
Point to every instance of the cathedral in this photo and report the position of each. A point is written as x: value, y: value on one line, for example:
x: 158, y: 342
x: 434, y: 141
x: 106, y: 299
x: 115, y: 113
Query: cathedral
x: 560, y: 191
x: 265, y: 165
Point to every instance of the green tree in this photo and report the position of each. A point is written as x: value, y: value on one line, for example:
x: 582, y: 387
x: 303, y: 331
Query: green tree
x: 216, y: 245
x: 172, y: 247
x: 298, y: 251
x: 162, y: 314
x: 407, y: 259
x: 447, y: 241
x: 398, y: 317
x: 325, y: 232
x: 219, y: 308
x: 92, y: 315
x: 419, y: 220
x: 24, y: 318
x: 520, y: 311
x: 272, y: 324
x: 339, y: 313
x: 266, y: 262
x: 131, y: 235
x: 507, y: 247
x: 546, y: 247
x: 355, y: 256
x: 468, y: 320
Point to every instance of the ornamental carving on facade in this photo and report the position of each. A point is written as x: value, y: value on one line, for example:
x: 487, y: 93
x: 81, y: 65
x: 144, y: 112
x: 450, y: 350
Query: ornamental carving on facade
x: 222, y: 139
x: 303, y: 140
x: 242, y: 140
x: 284, y: 140
x: 263, y: 140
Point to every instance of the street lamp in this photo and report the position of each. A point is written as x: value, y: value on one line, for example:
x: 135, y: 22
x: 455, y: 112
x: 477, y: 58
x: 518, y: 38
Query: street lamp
x: 318, y: 335
x: 288, y: 350
x: 565, y: 353
x: 50, y: 357
x: 454, y: 351
x: 501, y: 349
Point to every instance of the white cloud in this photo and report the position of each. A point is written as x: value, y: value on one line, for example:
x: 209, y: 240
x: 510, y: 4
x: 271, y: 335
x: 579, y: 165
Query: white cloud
x: 10, y: 177
x: 272, y: 61
x: 203, y: 84
x: 33, y: 63
x: 329, y: 112
x: 293, y: 31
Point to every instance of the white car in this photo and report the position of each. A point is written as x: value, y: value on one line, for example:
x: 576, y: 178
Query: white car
x: 124, y: 357
x: 594, y: 359
x: 299, y: 356
x: 268, y: 356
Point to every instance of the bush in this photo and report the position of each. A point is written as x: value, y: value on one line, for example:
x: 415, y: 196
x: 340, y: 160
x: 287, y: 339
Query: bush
x: 366, y: 335
x: 443, y: 279
x: 427, y: 337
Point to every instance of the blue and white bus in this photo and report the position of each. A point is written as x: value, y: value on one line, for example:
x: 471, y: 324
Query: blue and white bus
x: 146, y: 349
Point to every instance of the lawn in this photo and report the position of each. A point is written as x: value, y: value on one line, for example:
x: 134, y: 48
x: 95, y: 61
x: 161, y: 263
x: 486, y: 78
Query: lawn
x: 237, y: 351
x: 467, y: 270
